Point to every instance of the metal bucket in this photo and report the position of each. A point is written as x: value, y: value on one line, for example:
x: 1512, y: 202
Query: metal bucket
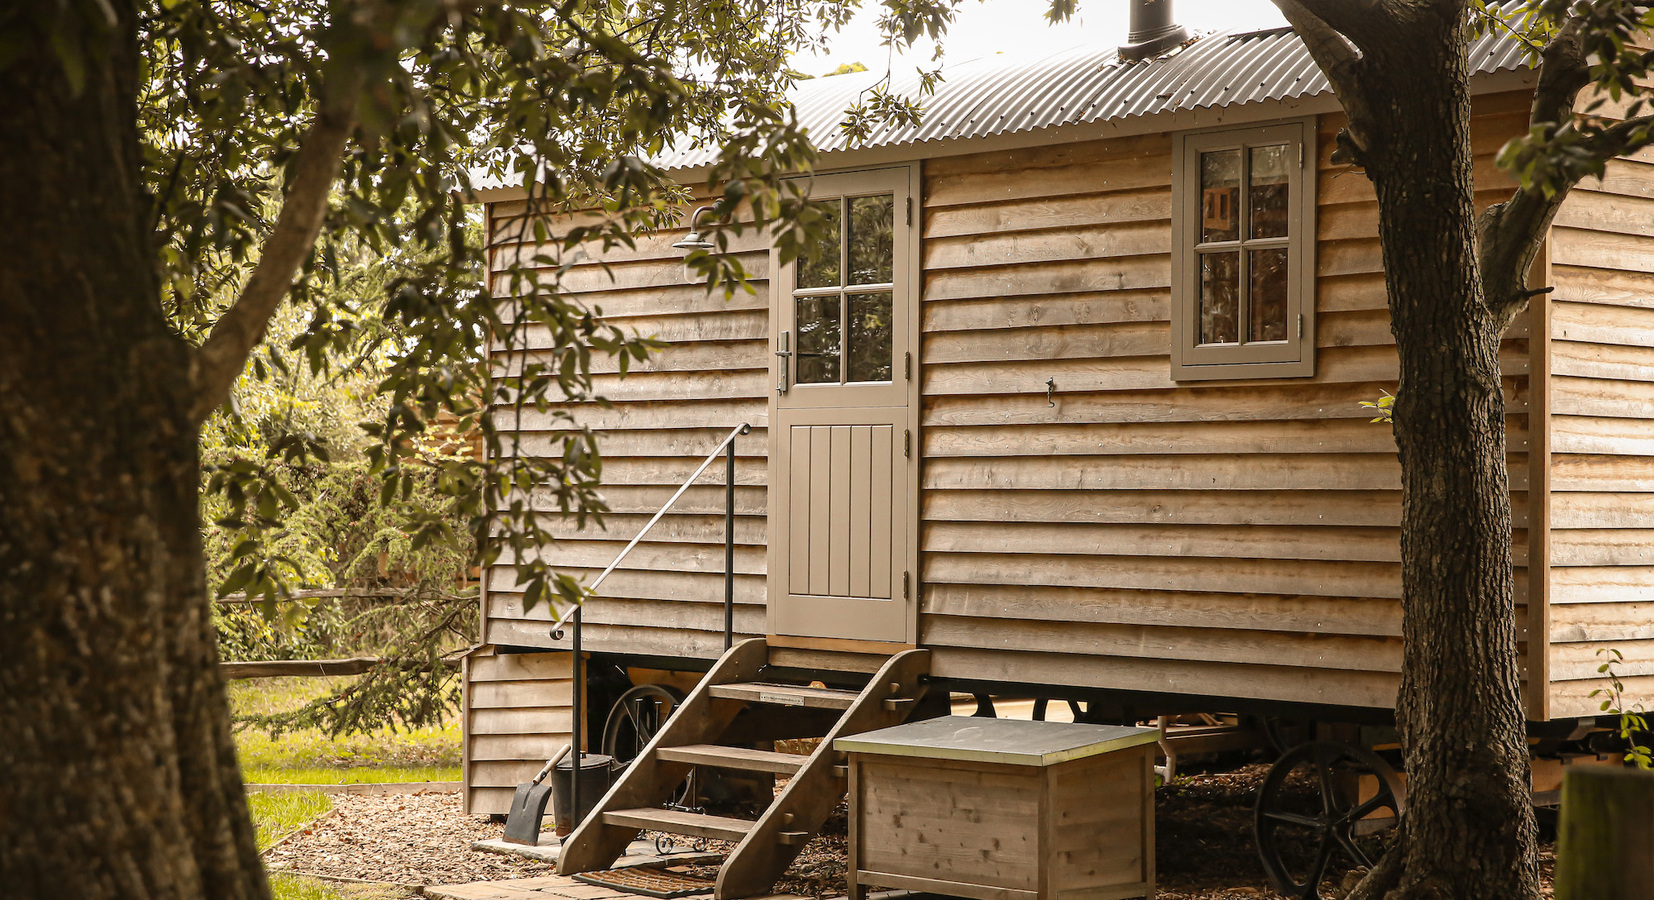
x: 596, y: 773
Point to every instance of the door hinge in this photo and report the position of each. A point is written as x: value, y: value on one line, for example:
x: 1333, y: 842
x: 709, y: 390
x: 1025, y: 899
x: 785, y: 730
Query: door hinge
x: 907, y: 365
x: 1300, y: 155
x: 907, y: 584
x: 907, y: 443
x: 1300, y: 326
x: 910, y: 212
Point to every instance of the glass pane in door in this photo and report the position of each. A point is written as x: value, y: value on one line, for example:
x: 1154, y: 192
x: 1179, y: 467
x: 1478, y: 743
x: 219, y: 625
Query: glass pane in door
x: 868, y: 351
x: 818, y: 340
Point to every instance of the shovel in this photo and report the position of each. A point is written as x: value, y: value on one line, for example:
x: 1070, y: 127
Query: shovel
x: 528, y: 806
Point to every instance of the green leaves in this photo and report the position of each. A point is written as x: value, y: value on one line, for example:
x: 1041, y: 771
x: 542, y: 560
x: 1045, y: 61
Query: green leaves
x: 1384, y: 406
x: 1633, y: 727
x: 1599, y: 39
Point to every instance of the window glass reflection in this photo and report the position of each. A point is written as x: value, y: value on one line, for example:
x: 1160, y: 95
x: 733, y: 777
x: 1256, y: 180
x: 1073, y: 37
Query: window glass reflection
x: 872, y: 220
x: 1268, y: 294
x: 867, y: 350
x: 1219, y: 298
x: 822, y: 270
x: 818, y: 340
x: 1266, y: 195
x: 1220, y: 196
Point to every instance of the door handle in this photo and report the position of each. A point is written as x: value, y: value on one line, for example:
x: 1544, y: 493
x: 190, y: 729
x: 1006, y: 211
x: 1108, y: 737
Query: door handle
x: 786, y: 355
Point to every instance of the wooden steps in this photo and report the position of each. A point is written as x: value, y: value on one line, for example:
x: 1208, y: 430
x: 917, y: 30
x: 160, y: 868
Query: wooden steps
x: 786, y: 695
x: 691, y: 737
x: 738, y: 758
x: 675, y: 821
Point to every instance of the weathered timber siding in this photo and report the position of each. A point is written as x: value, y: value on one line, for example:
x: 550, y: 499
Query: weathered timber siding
x: 1602, y: 437
x: 518, y: 713
x: 1231, y: 539
x: 666, y: 599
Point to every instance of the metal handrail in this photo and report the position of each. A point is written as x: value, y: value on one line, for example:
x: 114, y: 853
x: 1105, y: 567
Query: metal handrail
x: 573, y: 614
x: 743, y: 428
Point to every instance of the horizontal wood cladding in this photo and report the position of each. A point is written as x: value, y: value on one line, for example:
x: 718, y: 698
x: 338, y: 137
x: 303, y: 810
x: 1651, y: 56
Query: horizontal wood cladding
x: 518, y: 713
x: 659, y: 422
x: 1602, y: 439
x: 1230, y: 538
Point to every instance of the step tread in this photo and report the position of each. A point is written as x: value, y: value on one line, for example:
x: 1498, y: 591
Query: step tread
x: 675, y: 821
x: 786, y: 695
x: 741, y: 758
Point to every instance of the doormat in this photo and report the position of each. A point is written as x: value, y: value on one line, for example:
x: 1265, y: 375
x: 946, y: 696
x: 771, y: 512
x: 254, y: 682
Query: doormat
x: 649, y: 882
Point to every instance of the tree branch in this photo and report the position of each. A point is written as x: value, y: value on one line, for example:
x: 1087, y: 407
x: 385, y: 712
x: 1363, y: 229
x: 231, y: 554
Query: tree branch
x: 1563, y: 73
x: 1509, y: 233
x: 1340, y: 61
x: 220, y: 360
x: 1336, y: 56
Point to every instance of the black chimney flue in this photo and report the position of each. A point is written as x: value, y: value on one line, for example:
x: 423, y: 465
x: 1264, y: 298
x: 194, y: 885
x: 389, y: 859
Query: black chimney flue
x: 1152, y: 30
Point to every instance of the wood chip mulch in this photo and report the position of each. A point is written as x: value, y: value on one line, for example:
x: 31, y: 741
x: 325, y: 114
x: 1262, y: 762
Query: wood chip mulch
x: 1203, y: 842
x: 411, y: 839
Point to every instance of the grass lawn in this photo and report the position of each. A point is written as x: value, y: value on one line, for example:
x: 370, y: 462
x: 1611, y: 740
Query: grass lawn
x: 312, y: 757
x: 278, y: 815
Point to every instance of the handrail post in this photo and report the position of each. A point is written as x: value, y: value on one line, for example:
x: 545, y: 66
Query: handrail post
x: 557, y: 627
x: 577, y: 670
x: 576, y: 738
x: 729, y: 547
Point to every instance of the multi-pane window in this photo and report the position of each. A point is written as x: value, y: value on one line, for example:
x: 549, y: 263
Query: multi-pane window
x: 843, y: 295
x: 1242, y: 233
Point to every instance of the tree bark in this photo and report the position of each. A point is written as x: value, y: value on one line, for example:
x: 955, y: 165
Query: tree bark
x: 1470, y: 825
x: 120, y: 777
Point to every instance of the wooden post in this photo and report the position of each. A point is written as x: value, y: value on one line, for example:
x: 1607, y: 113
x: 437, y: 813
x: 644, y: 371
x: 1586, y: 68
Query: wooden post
x: 1605, y: 844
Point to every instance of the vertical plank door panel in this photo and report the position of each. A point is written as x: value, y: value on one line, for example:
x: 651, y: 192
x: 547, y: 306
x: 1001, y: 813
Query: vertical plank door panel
x: 838, y: 535
x: 798, y: 512
x: 819, y: 475
x: 884, y: 523
x: 861, y: 508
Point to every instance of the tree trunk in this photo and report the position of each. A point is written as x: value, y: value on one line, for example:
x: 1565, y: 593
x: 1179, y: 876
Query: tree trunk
x: 119, y: 774
x: 1470, y: 826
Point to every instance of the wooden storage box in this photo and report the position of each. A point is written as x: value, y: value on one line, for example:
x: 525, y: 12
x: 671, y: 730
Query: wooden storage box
x: 1003, y: 809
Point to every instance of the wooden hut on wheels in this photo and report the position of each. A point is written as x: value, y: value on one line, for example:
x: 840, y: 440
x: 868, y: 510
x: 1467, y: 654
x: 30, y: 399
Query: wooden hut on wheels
x: 1071, y: 404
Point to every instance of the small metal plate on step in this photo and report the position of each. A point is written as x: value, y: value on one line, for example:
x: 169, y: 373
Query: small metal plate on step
x: 649, y: 881
x: 780, y: 699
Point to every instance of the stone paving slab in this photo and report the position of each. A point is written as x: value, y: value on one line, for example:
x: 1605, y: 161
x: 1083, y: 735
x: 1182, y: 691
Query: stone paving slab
x: 638, y: 853
x: 544, y: 887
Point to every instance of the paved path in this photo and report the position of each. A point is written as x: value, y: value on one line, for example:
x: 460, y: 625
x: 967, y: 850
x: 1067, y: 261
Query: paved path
x: 546, y: 887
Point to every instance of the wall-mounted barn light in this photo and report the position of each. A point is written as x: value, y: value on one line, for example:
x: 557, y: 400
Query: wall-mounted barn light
x: 694, y: 240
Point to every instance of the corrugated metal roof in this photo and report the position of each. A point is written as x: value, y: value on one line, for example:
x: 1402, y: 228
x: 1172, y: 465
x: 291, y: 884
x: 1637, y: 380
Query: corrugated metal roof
x: 1007, y: 94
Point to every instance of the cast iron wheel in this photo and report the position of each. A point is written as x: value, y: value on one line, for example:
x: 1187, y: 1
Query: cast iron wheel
x: 1308, y: 810
x: 633, y: 722
x: 1041, y: 703
x: 636, y: 718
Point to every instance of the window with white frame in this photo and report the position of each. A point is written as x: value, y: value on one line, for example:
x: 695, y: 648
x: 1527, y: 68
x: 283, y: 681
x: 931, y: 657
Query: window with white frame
x: 1243, y: 250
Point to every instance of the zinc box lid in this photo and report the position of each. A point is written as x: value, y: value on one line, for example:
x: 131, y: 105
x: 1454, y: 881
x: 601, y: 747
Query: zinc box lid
x: 1007, y: 741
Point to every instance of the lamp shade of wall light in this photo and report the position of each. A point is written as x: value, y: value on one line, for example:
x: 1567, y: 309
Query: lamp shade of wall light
x: 694, y: 240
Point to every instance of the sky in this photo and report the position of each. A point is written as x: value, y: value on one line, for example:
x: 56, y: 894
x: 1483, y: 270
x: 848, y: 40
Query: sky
x: 994, y: 26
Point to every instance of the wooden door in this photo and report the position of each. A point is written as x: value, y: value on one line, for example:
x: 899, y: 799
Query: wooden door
x: 843, y: 488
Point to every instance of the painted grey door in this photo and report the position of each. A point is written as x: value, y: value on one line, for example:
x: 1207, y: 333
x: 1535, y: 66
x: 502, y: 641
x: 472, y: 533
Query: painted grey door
x: 843, y: 527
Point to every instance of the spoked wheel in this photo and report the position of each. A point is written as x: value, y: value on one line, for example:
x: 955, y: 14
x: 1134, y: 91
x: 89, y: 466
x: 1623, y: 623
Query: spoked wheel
x: 1324, y: 798
x: 633, y: 722
x: 636, y: 718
